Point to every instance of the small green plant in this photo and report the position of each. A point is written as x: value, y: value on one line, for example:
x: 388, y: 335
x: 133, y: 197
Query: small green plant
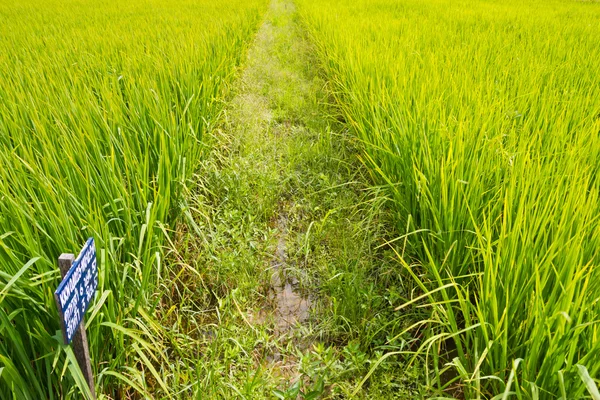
x: 302, y: 391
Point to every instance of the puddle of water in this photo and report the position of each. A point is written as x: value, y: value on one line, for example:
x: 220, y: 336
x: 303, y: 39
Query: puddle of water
x: 291, y: 307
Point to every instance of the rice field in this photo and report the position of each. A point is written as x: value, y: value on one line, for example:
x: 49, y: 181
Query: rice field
x: 420, y: 177
x: 105, y: 108
x: 482, y: 120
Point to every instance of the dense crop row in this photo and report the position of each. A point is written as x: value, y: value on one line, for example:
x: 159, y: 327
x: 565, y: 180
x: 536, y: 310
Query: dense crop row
x: 483, y: 119
x: 103, y: 109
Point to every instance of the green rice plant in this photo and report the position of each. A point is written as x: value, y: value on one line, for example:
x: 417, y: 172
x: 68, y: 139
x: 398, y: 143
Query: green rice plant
x: 482, y: 119
x: 104, y: 111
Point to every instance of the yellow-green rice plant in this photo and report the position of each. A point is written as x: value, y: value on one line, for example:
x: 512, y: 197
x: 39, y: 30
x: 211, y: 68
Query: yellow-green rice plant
x: 483, y: 120
x: 104, y: 107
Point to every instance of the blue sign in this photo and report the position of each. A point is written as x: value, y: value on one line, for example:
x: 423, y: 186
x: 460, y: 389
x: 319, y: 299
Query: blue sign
x: 77, y: 289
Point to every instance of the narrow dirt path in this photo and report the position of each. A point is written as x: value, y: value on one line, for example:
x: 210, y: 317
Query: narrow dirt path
x: 271, y: 116
x: 286, y: 271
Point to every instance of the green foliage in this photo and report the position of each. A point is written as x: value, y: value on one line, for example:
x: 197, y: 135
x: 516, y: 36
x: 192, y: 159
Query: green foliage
x: 482, y: 120
x: 283, y: 179
x: 104, y: 111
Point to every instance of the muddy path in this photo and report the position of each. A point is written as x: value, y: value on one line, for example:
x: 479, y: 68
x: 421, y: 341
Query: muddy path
x: 289, y: 237
x: 272, y: 116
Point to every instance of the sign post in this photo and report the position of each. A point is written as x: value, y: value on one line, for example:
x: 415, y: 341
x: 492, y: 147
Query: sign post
x: 73, y: 296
